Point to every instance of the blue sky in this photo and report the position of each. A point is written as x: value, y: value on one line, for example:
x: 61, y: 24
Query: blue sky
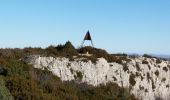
x: 129, y: 26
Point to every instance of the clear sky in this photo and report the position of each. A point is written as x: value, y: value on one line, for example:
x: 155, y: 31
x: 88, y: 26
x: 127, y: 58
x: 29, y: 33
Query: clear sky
x: 129, y: 26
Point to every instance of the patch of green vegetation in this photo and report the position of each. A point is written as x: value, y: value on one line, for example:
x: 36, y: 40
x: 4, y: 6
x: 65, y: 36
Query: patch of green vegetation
x: 71, y: 70
x: 138, y: 74
x: 158, y: 61
x: 115, y: 79
x: 4, y: 92
x: 66, y: 50
x: 141, y: 87
x: 149, y: 67
x: 168, y: 67
x: 20, y: 81
x: 157, y: 73
x: 167, y: 86
x: 98, y: 53
x: 79, y: 75
x: 132, y: 80
x: 148, y: 56
x: 163, y: 80
x: 24, y: 89
x: 145, y: 62
x: 165, y: 69
x: 125, y: 67
x: 148, y: 76
x: 138, y: 67
x: 68, y: 65
x: 141, y: 78
x: 153, y: 85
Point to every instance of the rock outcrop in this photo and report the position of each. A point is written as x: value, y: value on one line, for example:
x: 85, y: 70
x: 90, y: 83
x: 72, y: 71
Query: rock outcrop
x: 147, y: 78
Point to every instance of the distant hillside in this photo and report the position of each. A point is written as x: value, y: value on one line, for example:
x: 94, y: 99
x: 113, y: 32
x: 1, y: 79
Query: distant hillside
x: 162, y: 56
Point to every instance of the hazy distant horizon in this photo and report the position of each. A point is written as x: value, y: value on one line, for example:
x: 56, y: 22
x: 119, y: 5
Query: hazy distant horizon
x: 131, y: 26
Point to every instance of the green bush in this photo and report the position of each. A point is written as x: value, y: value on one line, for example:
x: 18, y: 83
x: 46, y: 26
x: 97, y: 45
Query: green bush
x: 52, y: 51
x: 138, y: 67
x: 165, y: 69
x: 24, y: 89
x: 158, y: 61
x: 132, y: 79
x: 16, y: 67
x: 148, y: 77
x: 157, y: 73
x: 148, y: 56
x: 66, y: 50
x: 3, y: 71
x: 23, y: 82
x: 145, y: 62
x: 79, y: 75
x: 125, y: 67
x: 98, y: 53
x: 4, y: 92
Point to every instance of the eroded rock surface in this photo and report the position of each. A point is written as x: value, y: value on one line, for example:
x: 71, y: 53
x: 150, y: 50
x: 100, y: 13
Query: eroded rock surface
x: 148, y: 78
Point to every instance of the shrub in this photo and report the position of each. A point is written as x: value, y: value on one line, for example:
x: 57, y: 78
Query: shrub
x: 149, y: 67
x: 23, y: 89
x: 125, y: 67
x: 42, y: 76
x: 91, y: 50
x: 163, y: 80
x: 3, y: 71
x: 69, y: 49
x: 16, y: 67
x: 132, y: 79
x: 4, y: 92
x: 115, y: 79
x: 134, y: 56
x: 79, y: 75
x: 66, y: 50
x: 158, y: 97
x: 138, y: 67
x: 158, y: 61
x: 123, y: 54
x: 98, y: 53
x: 145, y: 62
x: 138, y: 74
x: 52, y: 51
x: 165, y: 69
x: 23, y: 82
x: 148, y: 76
x: 147, y: 56
x: 33, y: 51
x: 68, y: 65
x: 146, y: 90
x: 71, y: 70
x: 141, y: 87
x: 126, y: 95
x: 168, y: 67
x: 157, y: 73
x: 153, y: 85
x: 110, y: 91
x: 167, y: 86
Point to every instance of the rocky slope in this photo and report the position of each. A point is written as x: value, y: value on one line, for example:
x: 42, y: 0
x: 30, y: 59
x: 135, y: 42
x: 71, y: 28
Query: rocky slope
x: 147, y: 78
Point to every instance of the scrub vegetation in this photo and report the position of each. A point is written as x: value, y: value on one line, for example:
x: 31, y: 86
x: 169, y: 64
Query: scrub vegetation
x: 20, y: 81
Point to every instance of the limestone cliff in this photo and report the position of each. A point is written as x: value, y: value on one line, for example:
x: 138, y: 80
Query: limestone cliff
x: 147, y: 78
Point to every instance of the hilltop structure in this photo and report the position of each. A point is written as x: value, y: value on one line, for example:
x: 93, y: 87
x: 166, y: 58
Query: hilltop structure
x: 87, y: 38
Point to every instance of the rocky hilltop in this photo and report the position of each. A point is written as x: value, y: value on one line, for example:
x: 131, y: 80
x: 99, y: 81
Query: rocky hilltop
x: 146, y: 78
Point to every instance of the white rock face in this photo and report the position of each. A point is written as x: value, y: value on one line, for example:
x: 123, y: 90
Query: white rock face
x: 147, y: 78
